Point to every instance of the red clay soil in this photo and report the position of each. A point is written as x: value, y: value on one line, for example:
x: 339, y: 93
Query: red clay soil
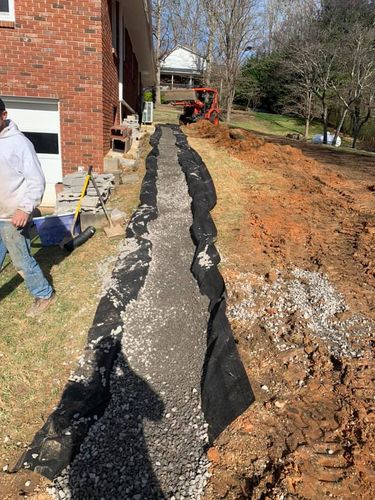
x: 306, y: 337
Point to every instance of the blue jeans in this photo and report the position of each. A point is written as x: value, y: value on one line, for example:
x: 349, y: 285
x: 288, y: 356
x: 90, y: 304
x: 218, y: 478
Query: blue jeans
x: 17, y: 242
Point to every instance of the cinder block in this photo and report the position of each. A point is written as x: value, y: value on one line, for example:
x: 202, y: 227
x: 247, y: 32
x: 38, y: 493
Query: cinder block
x: 111, y: 164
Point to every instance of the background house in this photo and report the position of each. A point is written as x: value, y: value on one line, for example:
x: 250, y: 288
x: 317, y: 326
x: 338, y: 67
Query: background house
x: 71, y: 70
x: 182, y: 68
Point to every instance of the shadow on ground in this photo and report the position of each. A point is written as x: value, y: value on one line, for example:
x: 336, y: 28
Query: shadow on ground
x: 98, y: 430
x: 116, y: 451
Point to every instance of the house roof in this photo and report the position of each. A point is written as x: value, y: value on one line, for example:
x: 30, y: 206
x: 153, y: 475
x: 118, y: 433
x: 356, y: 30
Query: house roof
x: 140, y: 32
x: 188, y: 49
x: 183, y: 60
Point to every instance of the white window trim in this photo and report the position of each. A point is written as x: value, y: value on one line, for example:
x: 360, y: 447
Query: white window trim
x: 10, y: 15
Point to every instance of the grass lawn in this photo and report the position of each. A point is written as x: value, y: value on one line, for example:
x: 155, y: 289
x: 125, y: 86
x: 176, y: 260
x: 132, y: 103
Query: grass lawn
x: 166, y: 113
x: 264, y: 123
x: 268, y: 123
x: 38, y: 355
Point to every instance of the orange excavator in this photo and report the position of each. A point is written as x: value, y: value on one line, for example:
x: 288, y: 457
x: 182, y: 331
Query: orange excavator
x: 200, y: 103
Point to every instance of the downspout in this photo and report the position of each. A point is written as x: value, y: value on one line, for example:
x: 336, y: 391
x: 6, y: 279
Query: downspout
x: 121, y: 60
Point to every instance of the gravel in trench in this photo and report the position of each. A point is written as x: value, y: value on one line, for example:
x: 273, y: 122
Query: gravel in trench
x: 150, y: 442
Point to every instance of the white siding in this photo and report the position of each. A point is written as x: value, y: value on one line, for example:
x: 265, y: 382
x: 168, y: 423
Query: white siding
x: 184, y: 59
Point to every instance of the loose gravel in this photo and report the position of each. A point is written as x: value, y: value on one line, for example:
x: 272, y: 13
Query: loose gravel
x: 150, y: 442
x: 310, y: 297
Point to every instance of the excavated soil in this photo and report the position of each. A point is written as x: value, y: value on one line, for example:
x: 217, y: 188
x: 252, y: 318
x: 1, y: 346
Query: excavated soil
x: 300, y: 280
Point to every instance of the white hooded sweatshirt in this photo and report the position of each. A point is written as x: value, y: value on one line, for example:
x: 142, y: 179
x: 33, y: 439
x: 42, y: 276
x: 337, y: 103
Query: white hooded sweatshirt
x: 22, y: 181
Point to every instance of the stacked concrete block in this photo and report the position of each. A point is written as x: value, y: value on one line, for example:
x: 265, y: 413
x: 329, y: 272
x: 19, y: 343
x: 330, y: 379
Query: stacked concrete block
x: 121, y: 137
x: 132, y: 121
x: 68, y: 198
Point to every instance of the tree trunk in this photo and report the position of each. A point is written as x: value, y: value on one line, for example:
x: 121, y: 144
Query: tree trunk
x: 325, y: 124
x: 230, y: 99
x: 307, y: 127
x: 358, y: 124
x: 309, y: 98
x: 339, y: 126
x: 158, y: 93
x: 210, y: 51
x: 355, y: 138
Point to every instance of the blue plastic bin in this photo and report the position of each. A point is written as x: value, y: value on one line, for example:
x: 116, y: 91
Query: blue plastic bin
x: 52, y: 229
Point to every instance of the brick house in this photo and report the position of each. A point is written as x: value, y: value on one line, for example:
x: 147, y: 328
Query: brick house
x: 69, y: 71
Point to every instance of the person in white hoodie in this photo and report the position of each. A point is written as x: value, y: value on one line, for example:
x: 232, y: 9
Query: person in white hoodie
x: 22, y: 186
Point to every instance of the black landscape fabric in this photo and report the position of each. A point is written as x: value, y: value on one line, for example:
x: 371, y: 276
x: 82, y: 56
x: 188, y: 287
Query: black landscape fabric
x: 87, y: 394
x: 226, y: 391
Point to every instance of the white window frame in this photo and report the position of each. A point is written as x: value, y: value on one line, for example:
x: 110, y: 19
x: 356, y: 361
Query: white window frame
x: 10, y: 15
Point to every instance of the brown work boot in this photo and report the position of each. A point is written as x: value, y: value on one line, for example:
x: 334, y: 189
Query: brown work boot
x: 40, y: 305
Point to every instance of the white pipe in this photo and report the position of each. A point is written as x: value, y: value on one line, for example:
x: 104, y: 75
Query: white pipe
x: 128, y: 106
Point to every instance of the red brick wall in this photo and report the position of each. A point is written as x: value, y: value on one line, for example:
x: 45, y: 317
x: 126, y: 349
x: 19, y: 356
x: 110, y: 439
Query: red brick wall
x: 62, y: 49
x: 54, y: 50
x: 110, y: 77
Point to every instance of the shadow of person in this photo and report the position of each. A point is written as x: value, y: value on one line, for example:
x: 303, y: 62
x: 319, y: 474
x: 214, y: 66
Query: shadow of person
x: 114, y: 461
x: 98, y: 428
x: 46, y: 256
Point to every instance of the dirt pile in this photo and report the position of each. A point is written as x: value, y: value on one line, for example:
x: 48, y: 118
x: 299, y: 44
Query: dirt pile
x: 304, y: 212
x: 300, y: 271
x: 236, y: 139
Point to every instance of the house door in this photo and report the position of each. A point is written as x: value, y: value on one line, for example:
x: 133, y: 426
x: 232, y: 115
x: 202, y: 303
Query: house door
x: 39, y: 120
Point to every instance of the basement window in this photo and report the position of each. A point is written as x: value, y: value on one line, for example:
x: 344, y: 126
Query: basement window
x: 44, y: 143
x: 7, y: 10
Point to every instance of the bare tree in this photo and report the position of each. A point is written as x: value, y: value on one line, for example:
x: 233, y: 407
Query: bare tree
x: 187, y: 23
x: 285, y: 20
x: 312, y: 57
x: 162, y: 36
x: 235, y: 28
x: 210, y: 38
x: 356, y: 81
x: 362, y: 111
x: 323, y: 59
x: 273, y: 15
x: 300, y: 101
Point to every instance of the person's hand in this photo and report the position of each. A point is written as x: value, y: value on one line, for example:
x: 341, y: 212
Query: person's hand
x: 20, y: 218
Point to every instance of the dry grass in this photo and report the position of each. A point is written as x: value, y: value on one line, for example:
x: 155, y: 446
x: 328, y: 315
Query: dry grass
x: 37, y: 355
x: 232, y: 179
x: 166, y: 113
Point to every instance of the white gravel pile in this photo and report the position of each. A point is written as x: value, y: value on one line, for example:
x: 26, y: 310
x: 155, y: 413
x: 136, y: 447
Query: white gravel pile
x: 306, y: 295
x: 150, y: 443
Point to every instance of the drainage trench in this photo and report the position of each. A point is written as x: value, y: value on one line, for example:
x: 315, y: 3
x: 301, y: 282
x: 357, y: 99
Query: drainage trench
x: 130, y: 423
x: 150, y: 441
